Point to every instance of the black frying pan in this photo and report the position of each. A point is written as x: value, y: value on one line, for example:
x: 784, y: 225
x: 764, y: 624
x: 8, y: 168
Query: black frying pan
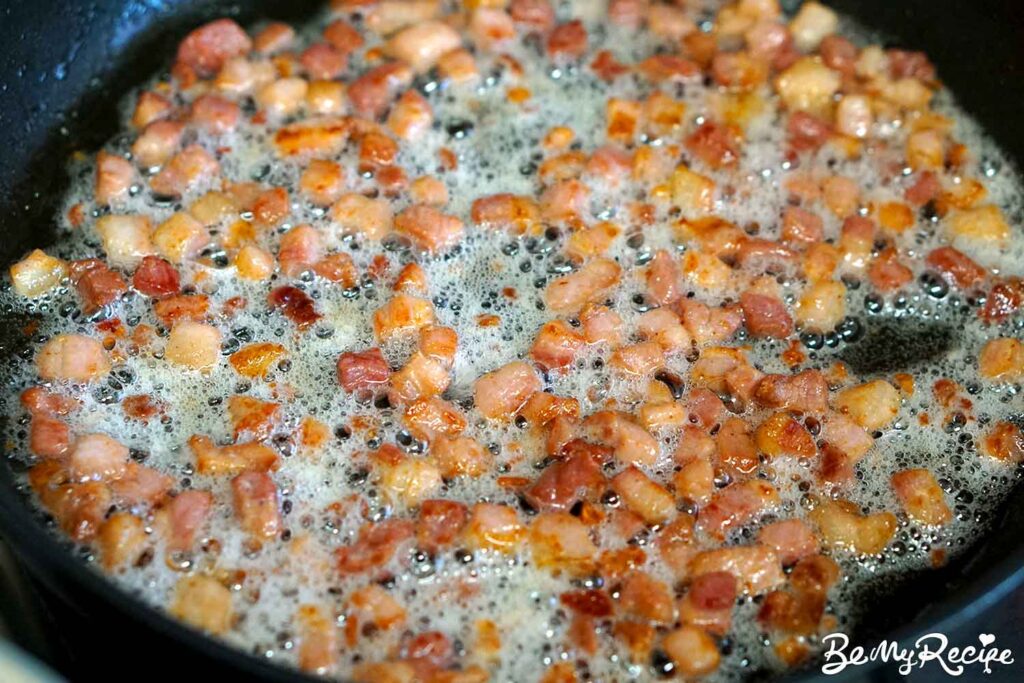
x: 63, y: 69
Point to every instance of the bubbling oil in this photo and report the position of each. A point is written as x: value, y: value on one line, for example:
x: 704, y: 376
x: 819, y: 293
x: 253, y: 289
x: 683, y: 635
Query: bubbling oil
x: 497, y: 144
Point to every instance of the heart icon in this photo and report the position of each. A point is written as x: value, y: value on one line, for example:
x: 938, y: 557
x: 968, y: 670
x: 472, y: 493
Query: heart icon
x: 986, y: 639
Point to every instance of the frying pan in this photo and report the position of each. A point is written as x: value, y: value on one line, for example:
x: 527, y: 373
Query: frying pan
x: 65, y: 66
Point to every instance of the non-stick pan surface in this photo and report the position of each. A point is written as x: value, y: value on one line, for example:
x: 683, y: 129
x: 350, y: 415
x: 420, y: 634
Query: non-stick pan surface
x: 65, y: 66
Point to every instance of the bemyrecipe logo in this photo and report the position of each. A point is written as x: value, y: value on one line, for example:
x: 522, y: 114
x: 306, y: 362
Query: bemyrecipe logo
x: 928, y: 651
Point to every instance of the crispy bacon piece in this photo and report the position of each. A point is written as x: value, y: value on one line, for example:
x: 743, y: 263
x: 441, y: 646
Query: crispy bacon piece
x: 372, y: 93
x: 214, y: 114
x: 376, y: 545
x: 663, y: 285
x: 501, y: 393
x: 323, y: 61
x: 955, y: 267
x: 295, y: 304
x: 792, y: 539
x: 1003, y: 300
x: 1004, y: 441
x: 508, y: 211
x: 806, y: 392
x: 572, y: 292
x: 607, y: 67
x: 564, y: 483
x: 887, y: 273
x: 667, y: 67
x: 72, y: 357
x: 48, y: 436
x: 156, y: 278
x: 207, y: 48
x: 256, y: 505
x: 807, y: 132
x: 921, y: 496
x: 182, y: 307
x: 568, y: 40
x: 428, y: 228
x: 736, y: 505
x: 186, y: 514
x: 439, y: 523
x: 140, y: 486
x: 593, y: 603
x: 765, y: 316
x: 251, y: 418
x: 184, y: 171
x: 231, y: 460
x: 907, y: 64
x: 926, y: 188
x: 536, y: 14
x: 756, y: 568
x: 343, y: 36
x: 737, y: 453
x: 97, y: 284
x: 359, y: 370
x: 556, y: 345
x: 709, y: 601
x: 715, y: 144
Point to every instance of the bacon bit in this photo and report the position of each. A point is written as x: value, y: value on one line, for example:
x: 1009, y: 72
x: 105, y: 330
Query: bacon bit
x: 1003, y: 300
x: 536, y: 14
x: 97, y: 284
x: 141, y: 407
x: 607, y: 67
x: 781, y: 434
x: 506, y: 211
x: 566, y: 482
x: 358, y: 370
x: 255, y: 500
x: 376, y: 545
x: 428, y: 228
x: 295, y: 304
x: 430, y: 417
x: 895, y: 216
x: 186, y: 513
x: 372, y: 93
x: 501, y: 393
x: 254, y: 360
x: 323, y: 61
x: 667, y: 67
x: 1004, y: 442
x: 886, y: 272
x: 449, y: 160
x: 568, y: 40
x: 806, y: 132
x: 805, y: 391
x: 182, y: 307
x: 185, y: 169
x: 156, y: 278
x: 921, y: 496
x: 214, y: 114
x: 440, y: 522
x: 955, y: 267
x: 205, y: 49
x: 321, y: 137
x: 925, y: 189
x: 792, y: 539
x: 343, y: 36
x: 556, y: 345
x: 231, y: 460
x: 76, y: 215
x: 765, y: 316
